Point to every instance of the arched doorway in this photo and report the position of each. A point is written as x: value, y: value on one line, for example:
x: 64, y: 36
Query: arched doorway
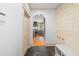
x: 39, y: 30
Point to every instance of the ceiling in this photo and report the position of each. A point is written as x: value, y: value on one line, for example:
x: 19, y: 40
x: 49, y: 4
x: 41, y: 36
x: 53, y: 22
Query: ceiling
x: 44, y: 5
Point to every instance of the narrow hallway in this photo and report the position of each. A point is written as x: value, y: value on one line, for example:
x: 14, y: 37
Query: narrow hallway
x: 42, y: 42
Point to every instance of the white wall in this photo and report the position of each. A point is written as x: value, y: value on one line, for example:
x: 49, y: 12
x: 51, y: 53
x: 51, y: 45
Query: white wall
x: 50, y: 17
x: 11, y: 31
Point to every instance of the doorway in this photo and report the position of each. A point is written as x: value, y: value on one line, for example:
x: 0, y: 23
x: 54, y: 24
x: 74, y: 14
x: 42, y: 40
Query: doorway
x: 39, y: 30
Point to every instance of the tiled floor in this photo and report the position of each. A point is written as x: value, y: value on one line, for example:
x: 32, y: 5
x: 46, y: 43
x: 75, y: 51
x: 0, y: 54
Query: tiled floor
x: 41, y: 51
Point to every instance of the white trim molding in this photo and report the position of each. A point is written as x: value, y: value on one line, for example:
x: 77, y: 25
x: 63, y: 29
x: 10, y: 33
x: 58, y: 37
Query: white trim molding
x: 26, y: 7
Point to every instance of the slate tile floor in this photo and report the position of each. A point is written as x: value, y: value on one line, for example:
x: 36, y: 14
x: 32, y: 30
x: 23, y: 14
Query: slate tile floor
x: 41, y: 51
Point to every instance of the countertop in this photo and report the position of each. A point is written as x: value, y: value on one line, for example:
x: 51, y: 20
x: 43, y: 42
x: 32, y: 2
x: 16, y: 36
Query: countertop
x: 67, y: 50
